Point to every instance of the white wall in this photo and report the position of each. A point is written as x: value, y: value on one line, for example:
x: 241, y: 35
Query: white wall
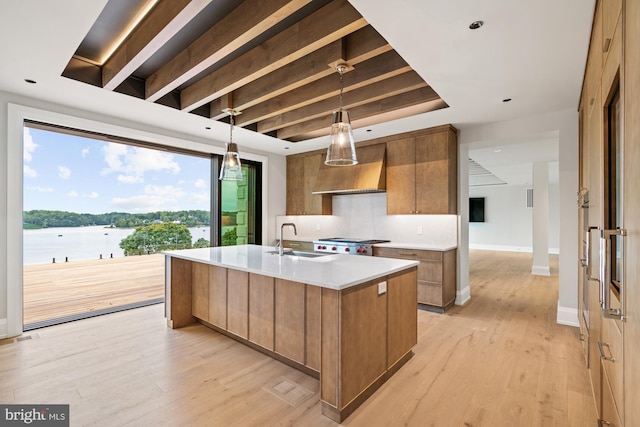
x: 564, y: 126
x: 508, y: 222
x: 14, y: 108
x: 364, y: 216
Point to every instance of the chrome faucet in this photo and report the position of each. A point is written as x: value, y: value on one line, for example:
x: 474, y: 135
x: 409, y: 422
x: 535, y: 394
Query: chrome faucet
x: 295, y: 232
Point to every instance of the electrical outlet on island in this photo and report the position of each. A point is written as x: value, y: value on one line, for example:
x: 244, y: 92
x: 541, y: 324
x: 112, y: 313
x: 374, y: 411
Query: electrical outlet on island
x: 419, y: 229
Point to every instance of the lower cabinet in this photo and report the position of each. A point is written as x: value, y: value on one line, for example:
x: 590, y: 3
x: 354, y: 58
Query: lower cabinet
x: 290, y: 320
x: 238, y: 303
x: 261, y: 310
x: 436, y: 275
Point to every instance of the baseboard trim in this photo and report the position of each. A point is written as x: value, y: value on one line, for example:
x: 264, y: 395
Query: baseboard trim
x: 506, y: 248
x: 567, y: 316
x: 463, y: 296
x: 3, y: 329
x: 540, y: 270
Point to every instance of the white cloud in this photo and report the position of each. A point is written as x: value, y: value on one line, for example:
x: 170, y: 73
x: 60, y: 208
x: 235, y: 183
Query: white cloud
x: 40, y: 189
x: 130, y: 179
x: 29, y: 172
x: 200, y: 183
x: 28, y: 145
x: 199, y: 198
x: 93, y: 195
x: 64, y: 172
x: 73, y: 194
x: 155, y: 198
x: 85, y: 152
x: 135, y: 161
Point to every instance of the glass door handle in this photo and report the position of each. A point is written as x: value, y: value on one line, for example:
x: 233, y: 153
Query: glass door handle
x: 587, y: 250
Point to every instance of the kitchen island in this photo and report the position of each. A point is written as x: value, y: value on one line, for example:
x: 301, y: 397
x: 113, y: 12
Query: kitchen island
x: 350, y: 321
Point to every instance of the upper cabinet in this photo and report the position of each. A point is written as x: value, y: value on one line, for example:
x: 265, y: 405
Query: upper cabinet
x: 422, y: 172
x: 301, y: 178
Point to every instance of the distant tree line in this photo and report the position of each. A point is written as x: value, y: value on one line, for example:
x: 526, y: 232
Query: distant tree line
x: 46, y: 219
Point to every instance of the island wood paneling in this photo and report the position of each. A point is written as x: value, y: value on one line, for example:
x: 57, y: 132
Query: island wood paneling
x: 330, y: 363
x: 179, y: 293
x: 200, y: 290
x: 261, y: 310
x: 238, y: 303
x: 313, y: 319
x: 218, y: 296
x: 363, y: 339
x: 402, y: 331
x: 290, y: 320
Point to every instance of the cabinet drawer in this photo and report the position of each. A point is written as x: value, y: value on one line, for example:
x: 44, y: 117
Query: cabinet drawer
x: 430, y: 293
x: 411, y: 254
x: 299, y: 245
x: 612, y: 349
x: 610, y: 408
x: 430, y: 271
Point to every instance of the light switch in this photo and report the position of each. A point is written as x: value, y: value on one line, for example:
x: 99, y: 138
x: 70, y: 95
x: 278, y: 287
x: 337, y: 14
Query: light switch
x: 382, y: 287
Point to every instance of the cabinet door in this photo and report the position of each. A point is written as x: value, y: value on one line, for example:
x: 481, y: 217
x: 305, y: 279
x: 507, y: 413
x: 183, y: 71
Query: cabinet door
x: 218, y: 296
x: 401, y: 177
x: 295, y: 185
x: 200, y: 290
x: 436, y: 174
x: 402, y: 331
x: 238, y: 303
x: 314, y: 204
x: 261, y: 310
x: 290, y: 320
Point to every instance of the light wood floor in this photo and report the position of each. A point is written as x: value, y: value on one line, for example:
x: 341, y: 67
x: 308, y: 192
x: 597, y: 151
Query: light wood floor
x: 500, y: 360
x: 68, y: 288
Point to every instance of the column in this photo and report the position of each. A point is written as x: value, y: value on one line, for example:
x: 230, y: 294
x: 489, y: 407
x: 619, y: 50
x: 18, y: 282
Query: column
x: 540, y: 219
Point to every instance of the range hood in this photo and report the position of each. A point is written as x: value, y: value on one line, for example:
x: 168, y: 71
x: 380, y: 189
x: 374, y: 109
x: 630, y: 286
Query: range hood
x: 368, y: 176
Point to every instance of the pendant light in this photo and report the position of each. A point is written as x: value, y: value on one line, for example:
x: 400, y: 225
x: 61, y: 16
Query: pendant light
x: 231, y: 167
x: 342, y: 149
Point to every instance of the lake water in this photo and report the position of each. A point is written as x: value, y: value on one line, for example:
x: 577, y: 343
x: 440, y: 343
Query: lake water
x: 76, y: 243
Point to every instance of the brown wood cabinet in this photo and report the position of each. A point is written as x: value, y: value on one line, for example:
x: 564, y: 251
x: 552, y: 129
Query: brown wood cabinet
x: 436, y: 275
x: 238, y: 303
x: 290, y: 320
x: 301, y: 177
x: 609, y: 158
x: 261, y: 310
x: 422, y: 172
x: 218, y: 296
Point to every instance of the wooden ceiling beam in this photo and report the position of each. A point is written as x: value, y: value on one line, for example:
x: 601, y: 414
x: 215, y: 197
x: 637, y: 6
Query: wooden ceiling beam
x: 244, y: 23
x: 355, y: 48
x: 386, y: 88
x: 156, y: 28
x: 376, y: 69
x: 403, y: 100
x: 326, y: 25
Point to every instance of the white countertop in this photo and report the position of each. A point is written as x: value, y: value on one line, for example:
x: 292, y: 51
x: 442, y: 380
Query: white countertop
x: 328, y: 271
x: 417, y: 246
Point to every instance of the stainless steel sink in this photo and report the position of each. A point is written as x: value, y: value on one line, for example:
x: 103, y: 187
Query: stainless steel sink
x: 298, y: 253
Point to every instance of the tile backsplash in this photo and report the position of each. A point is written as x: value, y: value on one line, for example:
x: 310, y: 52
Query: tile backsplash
x: 365, y: 216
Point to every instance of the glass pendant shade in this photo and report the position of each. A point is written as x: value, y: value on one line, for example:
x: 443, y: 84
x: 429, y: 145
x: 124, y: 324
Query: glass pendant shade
x: 231, y: 167
x: 342, y: 149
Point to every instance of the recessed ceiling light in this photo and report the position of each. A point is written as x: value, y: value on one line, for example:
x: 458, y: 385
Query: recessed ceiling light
x: 30, y: 81
x: 506, y: 100
x: 497, y: 150
x: 286, y: 148
x: 368, y: 130
x: 208, y: 128
x: 476, y: 24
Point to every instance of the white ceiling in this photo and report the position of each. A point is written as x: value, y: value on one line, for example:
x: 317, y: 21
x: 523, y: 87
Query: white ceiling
x: 531, y: 51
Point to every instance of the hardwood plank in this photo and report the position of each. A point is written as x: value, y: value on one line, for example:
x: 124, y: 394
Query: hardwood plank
x: 376, y: 69
x: 247, y: 21
x: 499, y: 360
x: 406, y: 99
x: 64, y: 289
x: 354, y: 48
x: 392, y: 86
x: 163, y: 22
x: 328, y: 24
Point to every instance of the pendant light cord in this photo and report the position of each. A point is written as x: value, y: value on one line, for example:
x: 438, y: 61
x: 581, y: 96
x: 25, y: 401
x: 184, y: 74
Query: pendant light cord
x: 341, y: 86
x: 231, y: 128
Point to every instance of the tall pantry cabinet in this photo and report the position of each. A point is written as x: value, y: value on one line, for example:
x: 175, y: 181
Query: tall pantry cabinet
x: 609, y: 205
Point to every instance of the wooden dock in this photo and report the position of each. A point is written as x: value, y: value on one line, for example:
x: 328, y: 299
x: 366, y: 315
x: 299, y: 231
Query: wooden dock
x: 70, y: 288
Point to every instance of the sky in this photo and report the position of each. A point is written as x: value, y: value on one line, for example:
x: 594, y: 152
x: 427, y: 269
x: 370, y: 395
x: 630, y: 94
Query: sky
x: 71, y: 173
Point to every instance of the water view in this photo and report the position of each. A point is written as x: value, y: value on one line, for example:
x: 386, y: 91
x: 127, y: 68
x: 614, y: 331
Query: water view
x: 77, y: 243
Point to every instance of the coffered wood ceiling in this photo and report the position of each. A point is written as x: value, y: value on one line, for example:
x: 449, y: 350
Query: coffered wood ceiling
x: 271, y: 60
